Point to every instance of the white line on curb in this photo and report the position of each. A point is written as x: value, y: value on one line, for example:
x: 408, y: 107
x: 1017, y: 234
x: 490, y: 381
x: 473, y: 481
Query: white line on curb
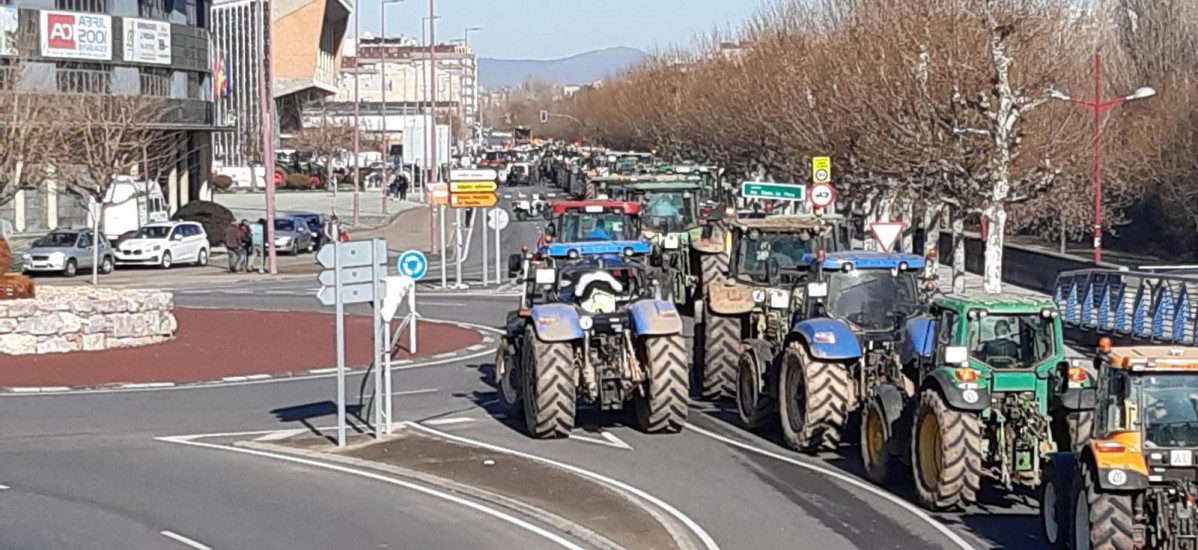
x: 145, y: 385
x: 563, y: 542
x: 283, y: 434
x: 694, y: 527
x: 258, y: 376
x: 54, y: 389
x: 328, y: 370
x: 444, y: 355
x: 447, y: 421
x: 948, y: 533
x: 184, y: 540
x: 235, y: 378
x: 475, y: 347
x: 25, y: 390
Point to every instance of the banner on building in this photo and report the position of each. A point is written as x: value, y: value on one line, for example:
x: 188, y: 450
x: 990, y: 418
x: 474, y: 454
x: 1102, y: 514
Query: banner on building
x: 147, y: 41
x: 8, y: 31
x: 76, y: 35
x: 220, y: 78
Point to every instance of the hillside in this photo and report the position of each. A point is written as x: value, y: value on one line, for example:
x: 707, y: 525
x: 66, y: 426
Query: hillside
x: 583, y: 68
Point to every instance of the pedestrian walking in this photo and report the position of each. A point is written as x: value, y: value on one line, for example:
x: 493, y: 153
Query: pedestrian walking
x: 332, y: 230
x: 403, y: 188
x: 258, y: 245
x: 233, y: 246
x: 246, y: 244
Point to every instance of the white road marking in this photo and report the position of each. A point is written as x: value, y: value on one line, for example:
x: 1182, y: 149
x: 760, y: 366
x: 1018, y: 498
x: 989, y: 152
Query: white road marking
x: 257, y: 376
x: 443, y: 304
x: 146, y: 385
x: 328, y: 370
x: 235, y: 378
x: 185, y: 541
x: 4, y: 487
x: 916, y: 511
x: 25, y: 390
x: 282, y: 434
x: 502, y: 516
x: 475, y: 347
x: 447, y: 421
x: 55, y: 389
x: 444, y: 355
x: 706, y: 540
x: 605, y: 439
x: 415, y: 392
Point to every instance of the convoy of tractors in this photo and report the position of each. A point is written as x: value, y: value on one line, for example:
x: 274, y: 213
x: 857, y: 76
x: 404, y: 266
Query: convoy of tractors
x: 834, y: 345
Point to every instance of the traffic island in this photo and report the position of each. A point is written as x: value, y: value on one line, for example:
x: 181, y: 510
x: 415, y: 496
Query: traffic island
x: 62, y: 320
x: 227, y: 345
x: 588, y: 511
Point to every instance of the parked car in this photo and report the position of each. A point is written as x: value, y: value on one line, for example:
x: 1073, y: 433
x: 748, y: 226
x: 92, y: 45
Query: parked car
x: 293, y: 235
x: 315, y: 223
x: 66, y: 251
x: 165, y: 244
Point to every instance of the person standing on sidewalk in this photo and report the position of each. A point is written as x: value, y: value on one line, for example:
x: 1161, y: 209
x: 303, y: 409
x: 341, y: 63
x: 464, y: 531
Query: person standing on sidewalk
x: 233, y: 246
x: 332, y: 230
x: 246, y: 242
x: 258, y: 245
x: 403, y: 188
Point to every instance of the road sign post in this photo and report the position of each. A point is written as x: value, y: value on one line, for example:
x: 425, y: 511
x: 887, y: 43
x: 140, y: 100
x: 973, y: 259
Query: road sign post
x: 480, y: 215
x: 498, y: 221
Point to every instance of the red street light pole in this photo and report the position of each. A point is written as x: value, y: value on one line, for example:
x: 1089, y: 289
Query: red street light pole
x: 1098, y: 106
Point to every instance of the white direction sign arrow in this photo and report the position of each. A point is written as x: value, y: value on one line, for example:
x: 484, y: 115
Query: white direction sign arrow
x: 353, y: 254
x: 350, y: 294
x: 886, y: 233
x: 349, y: 276
x: 482, y: 174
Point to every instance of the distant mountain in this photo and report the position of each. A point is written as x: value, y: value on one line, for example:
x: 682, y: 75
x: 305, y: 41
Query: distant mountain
x: 583, y: 68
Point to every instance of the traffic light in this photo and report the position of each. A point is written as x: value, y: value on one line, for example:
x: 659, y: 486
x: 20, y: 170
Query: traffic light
x: 544, y: 117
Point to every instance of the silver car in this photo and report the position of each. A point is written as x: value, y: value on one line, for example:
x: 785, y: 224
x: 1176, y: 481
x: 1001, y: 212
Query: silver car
x: 293, y: 236
x: 65, y: 251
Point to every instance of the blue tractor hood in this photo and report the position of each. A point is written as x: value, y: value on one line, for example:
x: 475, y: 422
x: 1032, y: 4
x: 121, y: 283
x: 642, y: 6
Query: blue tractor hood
x: 562, y: 250
x: 865, y: 259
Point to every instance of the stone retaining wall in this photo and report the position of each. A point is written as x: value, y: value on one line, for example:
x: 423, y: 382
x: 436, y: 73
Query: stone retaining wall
x: 66, y: 319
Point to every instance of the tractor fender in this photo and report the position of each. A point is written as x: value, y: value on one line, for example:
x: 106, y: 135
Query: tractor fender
x: 1076, y: 399
x: 942, y: 381
x: 556, y: 323
x: 919, y: 339
x: 828, y: 339
x: 891, y: 399
x: 727, y: 297
x: 1111, y: 466
x: 655, y: 317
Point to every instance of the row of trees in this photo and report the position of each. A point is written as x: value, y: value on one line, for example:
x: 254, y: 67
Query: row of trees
x: 81, y: 142
x: 932, y: 110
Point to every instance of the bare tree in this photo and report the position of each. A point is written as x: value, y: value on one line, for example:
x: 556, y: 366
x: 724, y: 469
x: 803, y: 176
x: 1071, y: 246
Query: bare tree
x: 26, y: 136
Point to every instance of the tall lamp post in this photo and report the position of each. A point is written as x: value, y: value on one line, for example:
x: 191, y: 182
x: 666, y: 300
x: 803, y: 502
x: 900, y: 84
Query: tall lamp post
x: 473, y: 79
x: 383, y: 83
x: 1098, y: 106
x: 266, y: 117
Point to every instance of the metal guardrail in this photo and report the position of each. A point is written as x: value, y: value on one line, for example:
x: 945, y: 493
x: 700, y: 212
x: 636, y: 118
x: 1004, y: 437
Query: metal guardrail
x: 1136, y: 305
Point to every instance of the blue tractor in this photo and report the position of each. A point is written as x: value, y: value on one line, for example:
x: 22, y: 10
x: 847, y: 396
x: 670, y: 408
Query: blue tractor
x: 817, y: 348
x: 600, y: 335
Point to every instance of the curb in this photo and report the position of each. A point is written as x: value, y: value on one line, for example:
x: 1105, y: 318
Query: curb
x: 474, y: 350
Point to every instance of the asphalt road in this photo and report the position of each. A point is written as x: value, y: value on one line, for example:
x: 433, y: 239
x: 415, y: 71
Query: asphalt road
x: 88, y: 470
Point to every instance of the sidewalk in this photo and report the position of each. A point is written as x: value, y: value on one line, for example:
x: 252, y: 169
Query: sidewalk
x: 231, y: 346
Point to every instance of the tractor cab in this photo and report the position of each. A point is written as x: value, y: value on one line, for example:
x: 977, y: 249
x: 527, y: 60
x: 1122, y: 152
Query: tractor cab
x: 873, y: 292
x: 581, y: 228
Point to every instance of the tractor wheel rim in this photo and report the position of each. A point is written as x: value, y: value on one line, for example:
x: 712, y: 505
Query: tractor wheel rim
x: 874, y: 437
x: 1048, y: 507
x: 1081, y: 523
x: 930, y: 459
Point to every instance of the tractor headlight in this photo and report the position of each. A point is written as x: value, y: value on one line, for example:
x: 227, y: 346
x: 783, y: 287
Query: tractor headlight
x: 628, y: 251
x: 758, y: 296
x: 903, y: 266
x: 779, y: 299
x: 572, y: 254
x: 586, y: 322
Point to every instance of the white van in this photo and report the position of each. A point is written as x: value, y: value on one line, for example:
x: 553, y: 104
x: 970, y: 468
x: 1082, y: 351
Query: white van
x: 131, y: 204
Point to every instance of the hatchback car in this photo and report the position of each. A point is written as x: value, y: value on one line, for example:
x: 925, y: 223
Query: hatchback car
x: 66, y: 251
x: 165, y: 244
x: 293, y: 236
x: 315, y: 223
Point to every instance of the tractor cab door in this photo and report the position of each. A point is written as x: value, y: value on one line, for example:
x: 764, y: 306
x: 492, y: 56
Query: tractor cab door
x: 947, y: 334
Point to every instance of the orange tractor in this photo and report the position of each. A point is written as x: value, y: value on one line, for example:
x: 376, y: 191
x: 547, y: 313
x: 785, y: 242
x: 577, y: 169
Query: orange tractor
x: 1135, y: 484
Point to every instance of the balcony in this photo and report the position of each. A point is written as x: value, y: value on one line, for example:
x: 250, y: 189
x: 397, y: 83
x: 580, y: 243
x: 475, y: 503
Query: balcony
x: 326, y: 69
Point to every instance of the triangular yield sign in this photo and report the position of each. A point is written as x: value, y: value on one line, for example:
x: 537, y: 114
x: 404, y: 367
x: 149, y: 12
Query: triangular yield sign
x: 886, y: 233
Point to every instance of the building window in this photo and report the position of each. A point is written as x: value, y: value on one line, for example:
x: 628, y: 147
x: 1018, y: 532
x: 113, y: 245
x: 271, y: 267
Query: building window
x: 91, y: 6
x: 84, y: 78
x: 195, y: 86
x: 155, y: 82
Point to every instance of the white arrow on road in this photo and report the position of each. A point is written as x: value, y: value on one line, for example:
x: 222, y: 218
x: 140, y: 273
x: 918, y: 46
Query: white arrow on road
x: 606, y: 439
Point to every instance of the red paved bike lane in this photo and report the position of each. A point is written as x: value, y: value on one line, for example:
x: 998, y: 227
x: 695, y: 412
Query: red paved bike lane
x: 212, y: 344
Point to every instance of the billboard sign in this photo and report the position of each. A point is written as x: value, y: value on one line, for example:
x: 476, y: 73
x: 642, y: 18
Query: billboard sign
x: 8, y: 31
x: 147, y: 41
x: 76, y: 35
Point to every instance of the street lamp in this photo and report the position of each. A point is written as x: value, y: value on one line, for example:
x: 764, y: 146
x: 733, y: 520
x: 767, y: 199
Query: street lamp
x: 383, y: 84
x: 1098, y: 106
x: 473, y: 75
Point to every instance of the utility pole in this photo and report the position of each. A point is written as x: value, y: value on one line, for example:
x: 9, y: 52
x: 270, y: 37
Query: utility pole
x: 357, y: 111
x: 266, y: 119
x: 1098, y: 106
x: 383, y: 82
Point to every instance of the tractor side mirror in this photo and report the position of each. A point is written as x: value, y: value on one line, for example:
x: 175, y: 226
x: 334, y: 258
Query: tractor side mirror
x: 956, y: 355
x: 772, y: 271
x: 551, y: 230
x: 514, y: 263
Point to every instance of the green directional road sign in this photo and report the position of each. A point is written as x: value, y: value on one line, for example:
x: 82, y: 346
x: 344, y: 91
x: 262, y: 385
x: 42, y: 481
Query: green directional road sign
x: 776, y: 191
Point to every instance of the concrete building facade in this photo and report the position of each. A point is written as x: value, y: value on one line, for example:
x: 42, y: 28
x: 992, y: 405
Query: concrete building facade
x: 407, y: 72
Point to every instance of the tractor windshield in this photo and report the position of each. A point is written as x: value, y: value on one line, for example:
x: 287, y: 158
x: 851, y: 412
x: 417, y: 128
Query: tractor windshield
x: 1170, y: 405
x: 785, y: 248
x: 668, y: 212
x: 599, y: 290
x: 1011, y: 341
x: 582, y: 227
x: 872, y: 298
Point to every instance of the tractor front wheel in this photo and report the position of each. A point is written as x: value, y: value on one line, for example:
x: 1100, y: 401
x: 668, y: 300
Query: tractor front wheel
x: 877, y: 442
x: 752, y: 405
x: 549, y: 388
x: 1100, y: 519
x: 813, y: 401
x: 946, y: 455
x: 1054, y: 517
x: 721, y: 340
x: 507, y: 379
x: 663, y: 406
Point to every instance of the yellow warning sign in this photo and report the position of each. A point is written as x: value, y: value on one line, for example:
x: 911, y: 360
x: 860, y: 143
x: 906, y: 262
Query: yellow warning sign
x: 472, y: 186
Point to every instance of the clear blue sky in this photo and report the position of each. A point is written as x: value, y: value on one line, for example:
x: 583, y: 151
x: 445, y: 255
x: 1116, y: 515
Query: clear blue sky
x: 548, y: 29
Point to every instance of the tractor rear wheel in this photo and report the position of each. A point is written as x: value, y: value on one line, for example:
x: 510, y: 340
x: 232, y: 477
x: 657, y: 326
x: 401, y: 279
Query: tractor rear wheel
x: 946, y: 457
x: 507, y: 385
x: 721, y: 341
x: 1072, y: 430
x: 877, y: 443
x: 1054, y: 512
x: 1100, y: 519
x: 549, y: 389
x: 663, y: 406
x: 752, y: 405
x: 712, y: 267
x: 813, y: 401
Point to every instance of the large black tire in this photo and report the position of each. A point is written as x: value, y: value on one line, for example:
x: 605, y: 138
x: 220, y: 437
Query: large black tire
x: 663, y: 407
x: 752, y: 405
x: 813, y: 401
x: 1101, y: 520
x: 878, y: 446
x: 712, y: 267
x: 106, y: 265
x: 550, y: 395
x: 507, y: 385
x: 1072, y: 430
x: 721, y: 345
x: 71, y: 269
x: 1055, y: 522
x: 946, y: 456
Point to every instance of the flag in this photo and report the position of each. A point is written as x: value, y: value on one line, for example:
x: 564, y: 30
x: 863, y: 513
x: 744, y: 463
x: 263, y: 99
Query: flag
x: 220, y: 78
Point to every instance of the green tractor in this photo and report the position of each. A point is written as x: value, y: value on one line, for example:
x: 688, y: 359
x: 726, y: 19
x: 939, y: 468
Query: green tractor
x: 988, y: 394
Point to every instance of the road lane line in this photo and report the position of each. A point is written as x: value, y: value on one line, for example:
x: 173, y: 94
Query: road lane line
x: 184, y: 540
x: 500, y: 515
x: 915, y: 510
x: 704, y: 538
x: 605, y: 441
x: 448, y: 421
x: 282, y: 434
x: 4, y: 487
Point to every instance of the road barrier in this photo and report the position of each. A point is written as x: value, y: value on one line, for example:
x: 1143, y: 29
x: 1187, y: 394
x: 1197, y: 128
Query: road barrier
x: 1024, y: 266
x: 1135, y: 306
